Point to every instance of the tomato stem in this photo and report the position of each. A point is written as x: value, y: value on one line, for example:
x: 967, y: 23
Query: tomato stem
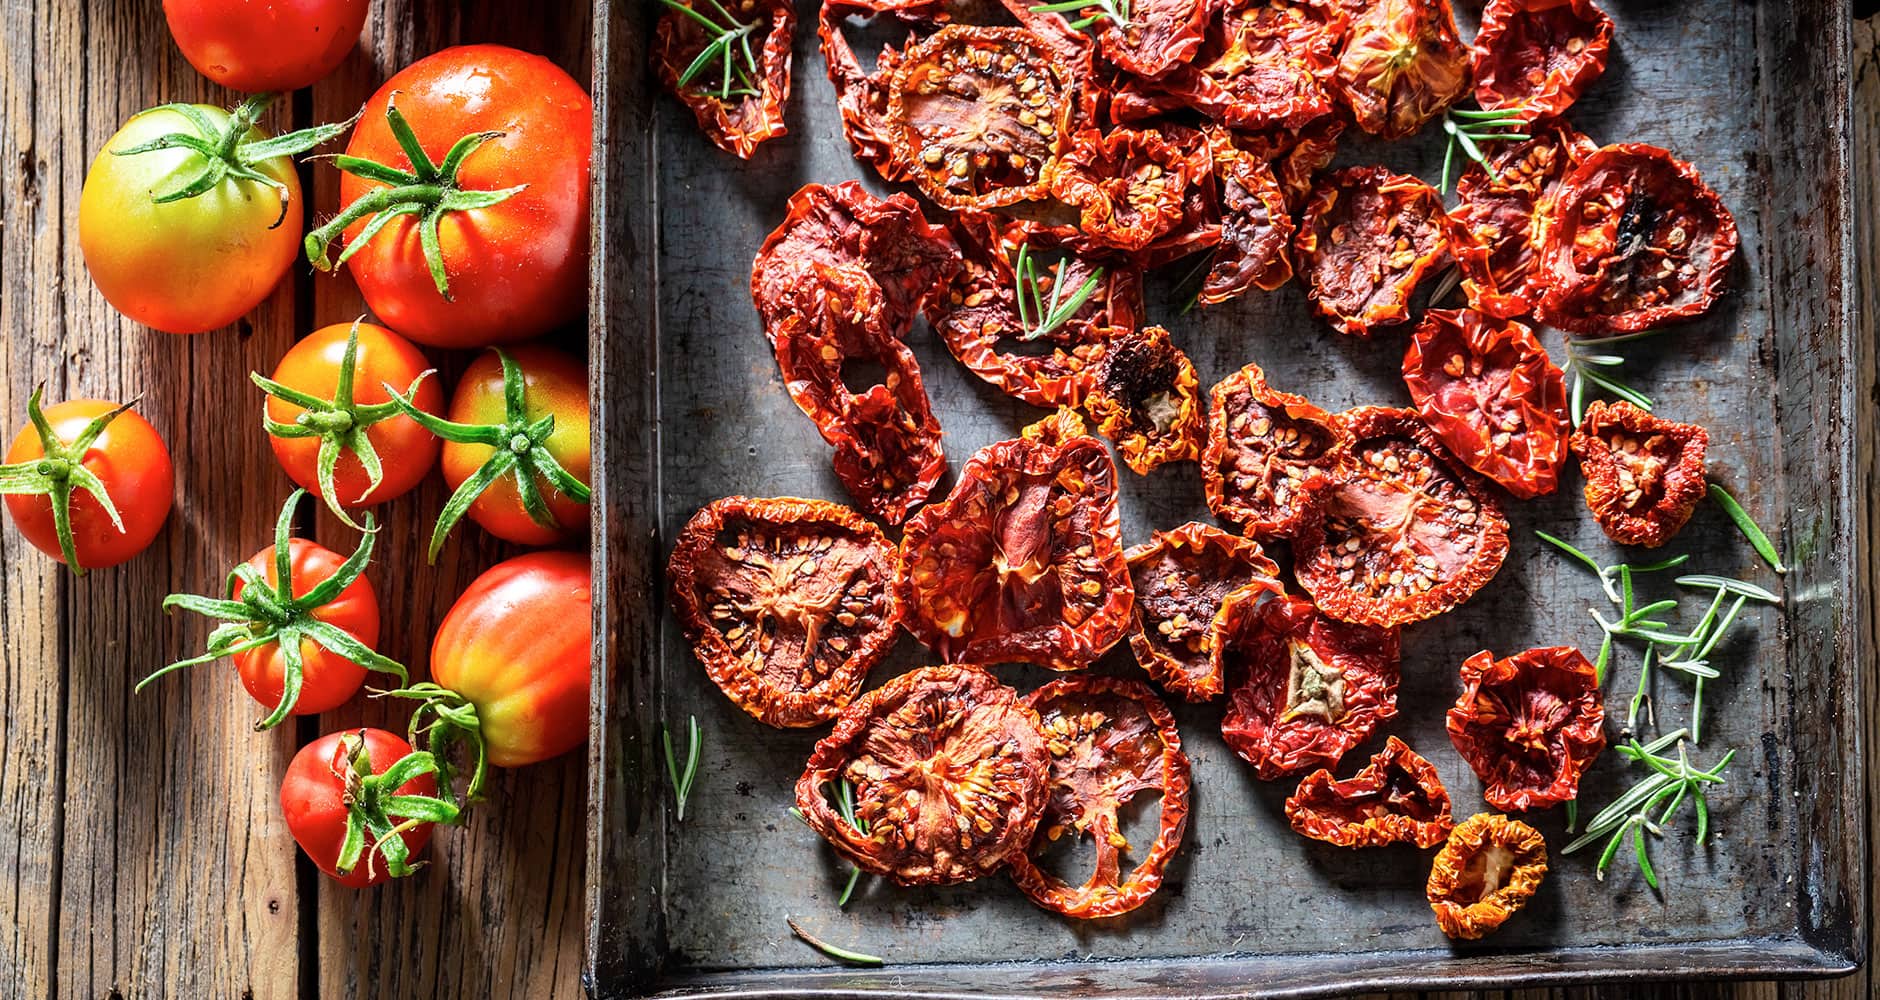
x: 441, y: 719
x: 373, y: 802
x: 60, y: 471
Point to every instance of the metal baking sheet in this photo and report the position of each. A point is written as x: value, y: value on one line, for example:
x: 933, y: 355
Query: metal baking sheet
x: 692, y: 409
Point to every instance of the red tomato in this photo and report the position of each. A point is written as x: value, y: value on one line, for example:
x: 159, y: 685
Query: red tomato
x: 257, y: 45
x: 554, y: 384
x: 317, y: 806
x: 327, y: 679
x: 405, y: 450
x: 515, y: 269
x: 128, y: 457
x: 517, y: 646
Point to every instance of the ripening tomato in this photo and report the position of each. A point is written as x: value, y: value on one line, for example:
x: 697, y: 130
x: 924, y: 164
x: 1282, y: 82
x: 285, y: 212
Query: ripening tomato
x: 129, y: 460
x: 554, y: 384
x: 511, y: 256
x: 324, y: 792
x: 257, y: 45
x: 328, y: 679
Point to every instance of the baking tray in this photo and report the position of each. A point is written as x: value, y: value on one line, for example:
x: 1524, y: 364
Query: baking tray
x: 690, y: 408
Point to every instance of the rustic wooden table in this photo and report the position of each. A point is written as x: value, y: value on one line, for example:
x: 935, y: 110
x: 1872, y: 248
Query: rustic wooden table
x: 147, y: 854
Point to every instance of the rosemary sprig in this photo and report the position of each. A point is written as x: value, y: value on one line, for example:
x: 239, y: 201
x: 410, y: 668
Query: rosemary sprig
x: 1635, y: 622
x: 1467, y: 129
x: 730, y: 47
x: 1709, y: 632
x: 1748, y: 526
x: 1630, y: 815
x: 1601, y: 371
x: 833, y: 951
x: 845, y: 807
x: 682, y: 778
x: 1114, y: 11
x: 1041, y: 313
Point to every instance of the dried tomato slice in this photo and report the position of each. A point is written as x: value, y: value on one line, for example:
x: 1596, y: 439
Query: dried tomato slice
x: 1529, y: 725
x: 1489, y: 869
x: 1398, y: 798
x: 1305, y: 689
x: 1633, y: 240
x: 1533, y: 58
x: 948, y: 770
x: 1023, y: 561
x: 1488, y: 390
x: 788, y: 603
x: 1368, y: 238
x: 862, y: 95
x: 1644, y: 474
x: 1181, y: 578
x: 1261, y: 64
x: 1297, y: 155
x: 1154, y: 37
x: 981, y: 115
x: 1402, y: 65
x: 1494, y: 229
x: 1411, y: 534
x: 1256, y: 225
x: 739, y: 112
x: 843, y: 225
x: 1147, y: 399
x: 1111, y: 740
x: 1271, y: 456
x: 979, y: 318
x: 1128, y: 186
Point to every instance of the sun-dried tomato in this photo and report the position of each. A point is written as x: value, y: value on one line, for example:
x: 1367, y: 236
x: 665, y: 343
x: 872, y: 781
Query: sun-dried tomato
x: 1271, y: 456
x: 788, y: 603
x: 862, y: 95
x: 1529, y: 725
x: 1128, y: 186
x: 1402, y: 65
x: 1533, y: 58
x: 843, y: 225
x: 1023, y: 561
x: 1494, y: 229
x: 749, y: 110
x: 1409, y: 535
x: 1304, y: 689
x: 1154, y: 37
x: 978, y: 315
x: 1633, y: 240
x: 1369, y: 237
x: 1398, y: 798
x: 982, y: 115
x: 1111, y: 740
x: 1644, y: 474
x: 1256, y: 225
x: 1261, y: 64
x: 1146, y: 398
x: 1491, y: 395
x: 949, y: 773
x: 1182, y: 577
x: 1489, y: 869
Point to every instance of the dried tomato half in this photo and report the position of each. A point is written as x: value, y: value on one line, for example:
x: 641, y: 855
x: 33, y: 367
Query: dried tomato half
x: 1297, y: 155
x: 1367, y: 240
x: 1128, y: 186
x: 1023, y: 561
x: 1271, y: 456
x: 1256, y: 225
x: 1146, y: 398
x: 981, y: 115
x: 1402, y: 65
x: 1644, y: 474
x: 1495, y: 227
x: 738, y: 105
x: 1026, y: 355
x: 843, y: 225
x: 948, y: 769
x: 1489, y: 869
x: 1182, y: 578
x: 1153, y: 37
x: 1533, y: 58
x: 1398, y: 798
x: 1304, y: 688
x: 1633, y: 240
x: 1111, y: 740
x: 1261, y: 64
x: 1529, y: 725
x: 862, y: 95
x: 1488, y: 390
x: 788, y: 603
x: 1409, y: 535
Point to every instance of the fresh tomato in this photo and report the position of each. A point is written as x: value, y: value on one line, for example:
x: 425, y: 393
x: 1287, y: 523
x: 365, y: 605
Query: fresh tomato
x: 328, y: 395
x: 363, y: 781
x: 87, y: 438
x: 515, y: 648
x: 183, y: 262
x: 327, y: 679
x: 258, y: 45
x: 508, y: 207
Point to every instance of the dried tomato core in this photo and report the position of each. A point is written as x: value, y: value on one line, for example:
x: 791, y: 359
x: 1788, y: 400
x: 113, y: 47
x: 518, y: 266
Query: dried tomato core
x: 1313, y: 687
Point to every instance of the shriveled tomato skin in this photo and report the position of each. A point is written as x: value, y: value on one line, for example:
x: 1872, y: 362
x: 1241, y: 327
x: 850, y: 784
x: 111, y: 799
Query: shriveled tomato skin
x: 1260, y: 64
x: 328, y: 680
x: 1271, y: 456
x: 313, y: 801
x: 1514, y: 856
x: 1145, y: 397
x: 1396, y: 798
x: 1644, y: 474
x: 1488, y: 390
x: 1402, y: 64
x: 129, y: 457
x: 1368, y: 239
x: 1533, y: 58
x: 1494, y: 228
x: 271, y: 45
x: 517, y: 645
x: 555, y: 384
x: 1183, y: 579
x: 1529, y: 724
x: 516, y: 269
x: 1256, y: 225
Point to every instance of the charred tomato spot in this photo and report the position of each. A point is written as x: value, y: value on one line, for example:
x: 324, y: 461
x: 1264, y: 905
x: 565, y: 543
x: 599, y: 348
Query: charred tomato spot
x: 1147, y: 399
